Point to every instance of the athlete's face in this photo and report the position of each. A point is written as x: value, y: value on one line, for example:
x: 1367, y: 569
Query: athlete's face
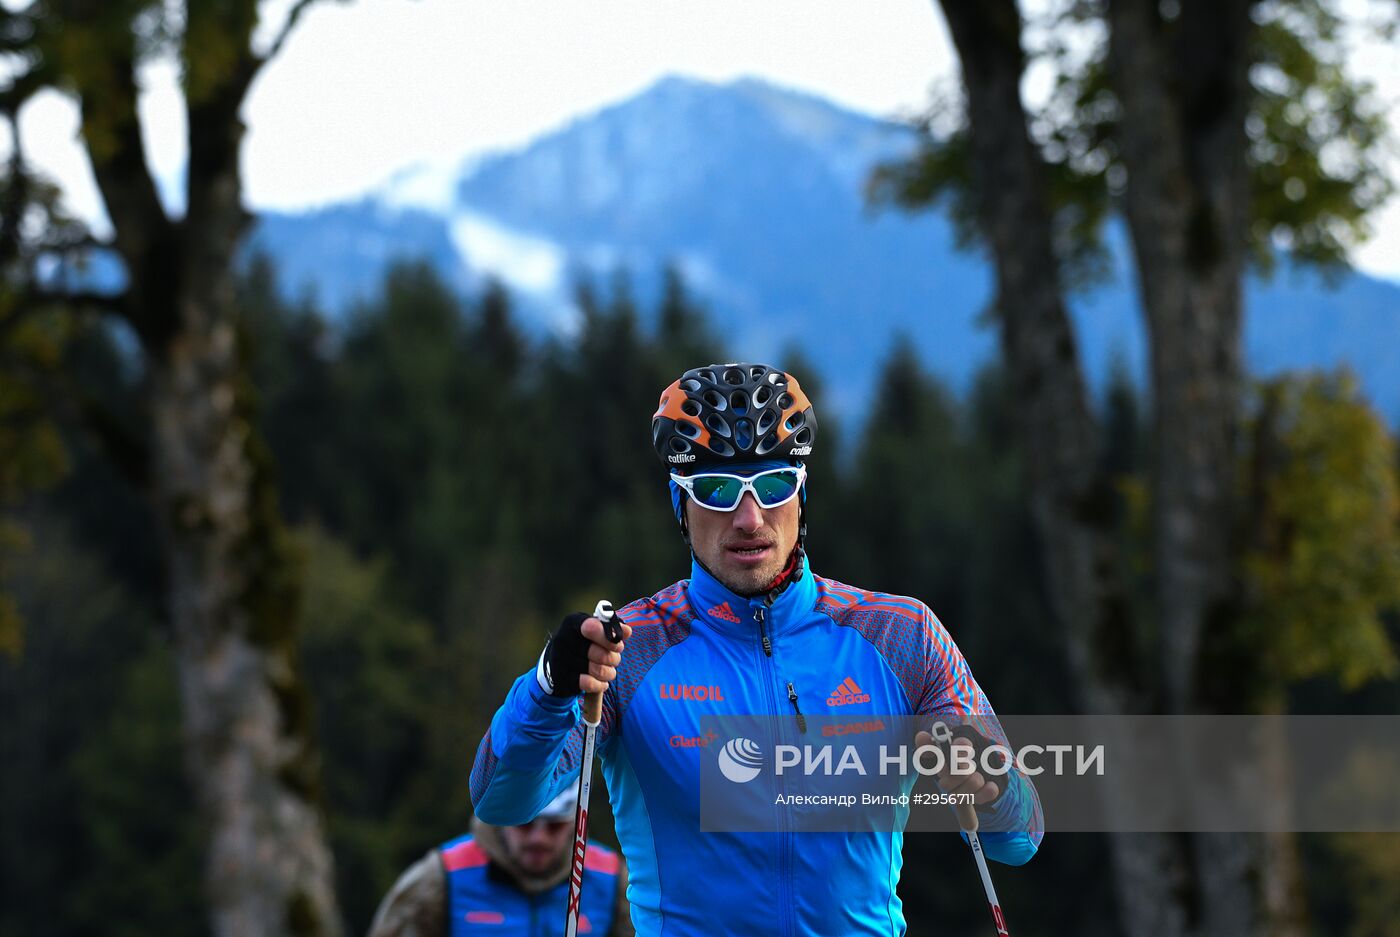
x: 747, y: 547
x: 538, y: 847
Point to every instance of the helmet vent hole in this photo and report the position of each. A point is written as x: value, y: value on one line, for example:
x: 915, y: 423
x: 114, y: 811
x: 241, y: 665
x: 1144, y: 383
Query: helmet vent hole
x: 687, y: 428
x: 716, y: 424
x: 766, y: 421
x: 803, y: 437
x: 733, y: 376
x: 739, y: 402
x: 784, y: 401
x: 706, y: 375
x: 720, y: 447
x: 690, y: 408
x: 743, y: 434
x: 715, y: 400
x: 679, y: 445
x: 762, y: 396
x: 766, y: 445
x: 690, y: 384
x: 756, y: 372
x: 775, y: 378
x: 793, y: 422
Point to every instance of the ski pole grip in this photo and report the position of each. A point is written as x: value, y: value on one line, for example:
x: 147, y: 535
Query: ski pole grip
x: 967, y: 817
x: 593, y: 702
x: 966, y: 813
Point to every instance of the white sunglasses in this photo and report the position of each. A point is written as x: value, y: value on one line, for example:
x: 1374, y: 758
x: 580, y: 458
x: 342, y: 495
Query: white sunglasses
x: 720, y: 491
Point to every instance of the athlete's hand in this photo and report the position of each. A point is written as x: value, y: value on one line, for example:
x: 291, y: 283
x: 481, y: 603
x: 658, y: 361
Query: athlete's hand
x: 579, y: 658
x: 603, y: 655
x: 960, y: 774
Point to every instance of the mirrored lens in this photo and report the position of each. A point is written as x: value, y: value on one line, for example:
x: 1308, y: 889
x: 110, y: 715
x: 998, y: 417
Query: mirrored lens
x: 775, y: 487
x: 716, y: 492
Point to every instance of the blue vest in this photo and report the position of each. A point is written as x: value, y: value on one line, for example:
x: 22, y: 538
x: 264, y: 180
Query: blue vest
x: 482, y: 899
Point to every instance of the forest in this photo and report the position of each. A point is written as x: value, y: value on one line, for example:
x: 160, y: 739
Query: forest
x: 452, y: 487
x: 265, y: 573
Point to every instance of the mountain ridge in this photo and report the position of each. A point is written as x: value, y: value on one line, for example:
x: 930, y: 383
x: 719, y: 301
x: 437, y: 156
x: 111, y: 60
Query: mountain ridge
x: 755, y: 193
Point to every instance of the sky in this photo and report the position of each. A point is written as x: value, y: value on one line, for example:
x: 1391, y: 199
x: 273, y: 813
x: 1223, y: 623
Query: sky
x: 366, y: 88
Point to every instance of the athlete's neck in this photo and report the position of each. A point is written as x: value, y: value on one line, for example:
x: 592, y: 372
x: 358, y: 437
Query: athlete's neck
x: 790, y: 573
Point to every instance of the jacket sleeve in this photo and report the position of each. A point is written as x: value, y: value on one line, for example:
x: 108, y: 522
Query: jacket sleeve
x: 417, y: 904
x: 1012, y: 830
x: 530, y: 753
x: 622, y: 908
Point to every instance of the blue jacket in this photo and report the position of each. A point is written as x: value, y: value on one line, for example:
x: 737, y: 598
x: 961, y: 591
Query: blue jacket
x: 482, y: 899
x: 695, y: 650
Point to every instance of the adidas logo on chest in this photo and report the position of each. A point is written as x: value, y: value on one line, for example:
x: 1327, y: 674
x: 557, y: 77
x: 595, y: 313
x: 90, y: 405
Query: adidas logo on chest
x: 723, y: 612
x: 847, y: 693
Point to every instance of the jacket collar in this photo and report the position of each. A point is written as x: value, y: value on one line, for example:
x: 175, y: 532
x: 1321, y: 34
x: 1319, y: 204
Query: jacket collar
x: 718, y: 608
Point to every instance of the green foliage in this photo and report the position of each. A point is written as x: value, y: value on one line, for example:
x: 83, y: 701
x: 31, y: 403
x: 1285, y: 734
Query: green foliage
x: 214, y: 46
x: 98, y: 830
x: 939, y: 174
x: 1371, y: 866
x: 406, y: 370
x: 459, y: 486
x: 908, y: 471
x: 366, y: 662
x: 1318, y: 141
x: 32, y: 454
x: 136, y: 810
x: 1325, y: 561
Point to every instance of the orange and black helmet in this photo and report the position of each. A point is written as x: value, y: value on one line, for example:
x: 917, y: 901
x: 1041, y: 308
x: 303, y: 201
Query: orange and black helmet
x: 724, y: 413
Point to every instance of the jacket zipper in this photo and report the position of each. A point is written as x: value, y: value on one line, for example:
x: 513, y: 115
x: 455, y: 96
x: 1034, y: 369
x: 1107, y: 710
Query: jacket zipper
x: 801, y: 719
x: 760, y: 613
x: 768, y: 652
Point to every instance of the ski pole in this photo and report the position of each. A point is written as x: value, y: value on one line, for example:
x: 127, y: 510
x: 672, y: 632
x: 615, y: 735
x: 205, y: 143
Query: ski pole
x: 967, y: 820
x: 592, y: 715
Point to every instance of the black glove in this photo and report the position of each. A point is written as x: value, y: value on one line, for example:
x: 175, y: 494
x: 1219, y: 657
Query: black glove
x: 565, y: 657
x: 980, y: 743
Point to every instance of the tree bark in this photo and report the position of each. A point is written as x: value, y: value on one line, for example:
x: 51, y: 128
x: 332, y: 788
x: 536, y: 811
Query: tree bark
x: 1056, y: 424
x: 1185, y: 93
x: 233, y: 578
x: 1187, y: 206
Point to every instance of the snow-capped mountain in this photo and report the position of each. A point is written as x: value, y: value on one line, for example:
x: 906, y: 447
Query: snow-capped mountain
x: 757, y: 194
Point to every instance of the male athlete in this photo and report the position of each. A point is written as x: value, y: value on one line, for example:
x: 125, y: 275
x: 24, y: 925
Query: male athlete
x: 507, y: 881
x: 752, y: 631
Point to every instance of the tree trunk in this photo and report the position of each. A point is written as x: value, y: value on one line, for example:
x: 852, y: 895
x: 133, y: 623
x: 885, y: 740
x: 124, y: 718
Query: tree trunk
x: 1056, y: 424
x: 233, y: 601
x: 1183, y: 142
x: 233, y: 576
x: 1184, y: 89
x: 1069, y: 498
x: 1189, y: 235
